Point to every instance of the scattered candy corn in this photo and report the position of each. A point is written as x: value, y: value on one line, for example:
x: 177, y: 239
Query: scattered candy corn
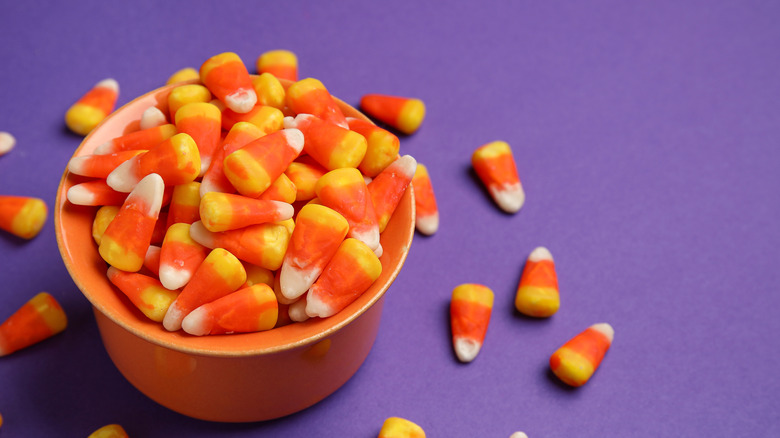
x: 396, y: 427
x: 281, y: 63
x: 22, y: 216
x: 496, y: 167
x: 402, y: 113
x: 247, y: 310
x: 38, y: 319
x: 226, y: 76
x: 92, y: 107
x: 427, y: 211
x: 470, y: 310
x: 7, y: 142
x: 537, y: 293
x: 576, y: 361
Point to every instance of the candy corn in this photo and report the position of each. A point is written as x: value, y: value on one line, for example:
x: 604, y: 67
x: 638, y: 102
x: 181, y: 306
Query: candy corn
x: 402, y: 113
x: 389, y: 186
x: 38, y: 319
x: 152, y: 117
x: 214, y: 180
x: 496, y: 167
x: 103, y: 217
x: 470, y: 310
x: 7, y: 142
x: 267, y: 118
x: 146, y: 293
x: 95, y: 192
x: 256, y: 275
x: 282, y: 190
x: 345, y: 191
x: 180, y: 256
x: 99, y: 166
x: 22, y: 216
x: 109, y: 431
x: 382, y: 146
x: 144, y: 139
x: 309, y: 96
x: 227, y: 78
x: 304, y: 172
x: 537, y: 293
x: 518, y: 435
x: 185, y: 74
x: 253, y: 168
x: 203, y: 122
x: 281, y: 63
x: 330, y: 145
x: 351, y: 271
x: 395, y: 427
x: 223, y: 211
x: 318, y: 233
x: 296, y: 310
x: 92, y: 107
x: 269, y: 90
x: 220, y: 274
x: 184, y: 94
x: 152, y: 260
x: 127, y: 237
x: 263, y: 245
x: 576, y: 361
x: 427, y: 212
x: 185, y: 204
x: 176, y: 160
x: 247, y: 310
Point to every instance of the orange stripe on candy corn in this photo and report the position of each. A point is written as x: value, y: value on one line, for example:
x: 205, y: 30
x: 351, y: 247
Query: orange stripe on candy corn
x: 309, y: 96
x: 426, y: 209
x: 537, y: 293
x: 402, y: 113
x: 180, y: 256
x: 246, y: 310
x: 223, y: 211
x: 22, y: 216
x: 203, y: 122
x: 576, y: 361
x: 304, y: 172
x: 99, y: 166
x: 241, y: 134
x: 144, y: 139
x: 38, y: 319
x: 389, y: 186
x: 330, y: 145
x: 282, y: 189
x: 185, y: 204
x: 267, y: 118
x: 470, y: 310
x: 227, y: 78
x: 254, y: 167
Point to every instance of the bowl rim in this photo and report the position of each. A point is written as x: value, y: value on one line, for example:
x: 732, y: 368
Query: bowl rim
x: 302, y: 333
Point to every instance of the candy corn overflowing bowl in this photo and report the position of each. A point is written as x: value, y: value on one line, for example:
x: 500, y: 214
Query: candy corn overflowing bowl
x: 236, y: 377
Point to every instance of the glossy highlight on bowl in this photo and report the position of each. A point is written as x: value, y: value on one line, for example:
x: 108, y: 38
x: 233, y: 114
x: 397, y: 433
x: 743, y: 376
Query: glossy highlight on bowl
x: 231, y: 378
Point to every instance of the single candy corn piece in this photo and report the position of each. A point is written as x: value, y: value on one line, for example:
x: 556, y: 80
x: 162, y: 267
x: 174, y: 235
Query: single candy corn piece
x: 345, y: 191
x: 94, y: 193
x: 318, y: 233
x: 109, y: 431
x: 395, y: 427
x: 267, y: 118
x: 269, y: 90
x: 537, y: 294
x: 103, y: 217
x: 277, y: 287
x: 227, y: 78
x: 427, y: 211
x: 263, y: 245
x: 253, y: 168
x: 282, y: 190
x: 128, y: 236
x: 402, y: 113
x: 576, y: 361
x: 176, y: 160
x: 496, y: 167
x: 184, y: 94
x: 183, y: 75
x: 220, y: 274
x: 152, y: 117
x: 203, y: 122
x: 470, y: 310
x: 252, y: 309
x: 22, y: 216
x: 304, y: 172
x: 389, y: 186
x: 92, y: 107
x: 180, y: 256
x: 281, y: 63
x: 382, y: 146
x: 152, y: 260
x: 38, y: 319
x: 185, y: 204
x: 99, y: 166
x: 146, y: 293
x: 309, y: 96
x: 224, y: 211
x: 352, y: 270
x: 214, y: 180
x: 256, y: 275
x: 7, y: 142
x: 144, y: 139
x: 331, y: 145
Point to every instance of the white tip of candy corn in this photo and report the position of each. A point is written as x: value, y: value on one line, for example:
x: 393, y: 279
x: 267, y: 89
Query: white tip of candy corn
x: 406, y: 165
x: 105, y: 148
x: 518, y: 435
x: 150, y: 189
x: 200, y: 234
x: 427, y: 225
x: 76, y: 165
x: 370, y: 237
x: 297, y: 122
x: 295, y: 282
x: 466, y: 349
x: 242, y: 100
x: 285, y: 210
x: 604, y: 329
x: 123, y: 178
x: 152, y: 118
x: 379, y: 250
x: 510, y: 198
x: 173, y: 278
x: 315, y: 307
x: 539, y: 254
x: 109, y: 83
x: 297, y: 311
x: 80, y: 195
x: 7, y: 142
x: 294, y: 138
x: 196, y: 323
x: 173, y: 318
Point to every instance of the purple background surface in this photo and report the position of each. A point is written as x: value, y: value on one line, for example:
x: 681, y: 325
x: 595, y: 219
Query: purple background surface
x: 646, y: 136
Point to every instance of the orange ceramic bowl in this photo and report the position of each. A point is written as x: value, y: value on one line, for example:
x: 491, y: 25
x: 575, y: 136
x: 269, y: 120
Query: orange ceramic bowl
x: 231, y: 378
